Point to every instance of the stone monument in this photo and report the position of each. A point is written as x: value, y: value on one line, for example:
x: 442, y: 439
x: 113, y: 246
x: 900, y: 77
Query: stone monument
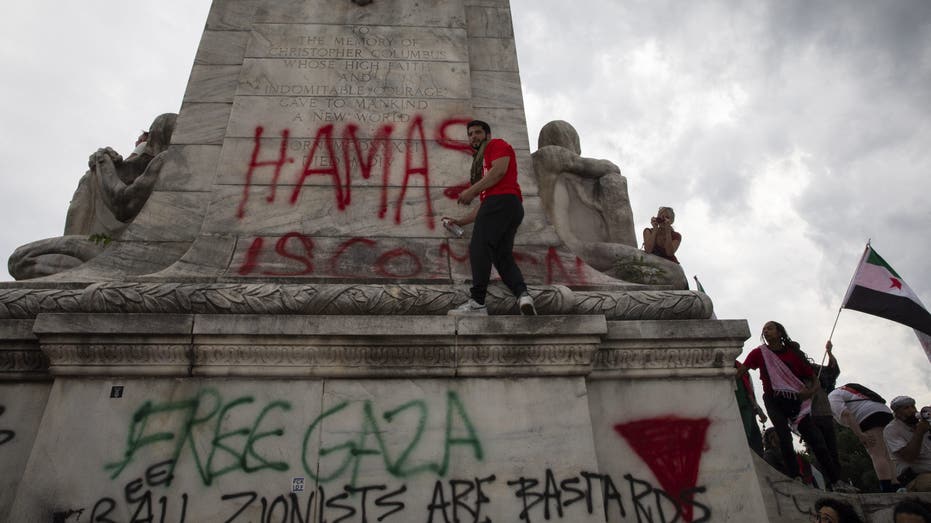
x: 266, y: 338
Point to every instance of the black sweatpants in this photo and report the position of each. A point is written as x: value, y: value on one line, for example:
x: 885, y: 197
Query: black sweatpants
x: 780, y: 411
x: 493, y: 242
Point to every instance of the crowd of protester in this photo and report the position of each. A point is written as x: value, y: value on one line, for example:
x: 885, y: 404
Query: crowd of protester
x: 802, y: 397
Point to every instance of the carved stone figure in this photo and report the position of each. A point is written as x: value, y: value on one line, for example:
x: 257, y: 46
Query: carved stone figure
x: 109, y: 196
x: 586, y: 201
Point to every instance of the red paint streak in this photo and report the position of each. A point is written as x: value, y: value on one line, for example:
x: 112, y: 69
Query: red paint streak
x: 284, y: 249
x: 446, y: 249
x: 525, y: 259
x: 457, y: 145
x: 381, y: 264
x: 453, y: 192
x: 672, y: 448
x: 306, y: 259
x: 252, y: 255
x: 424, y: 170
x: 325, y: 133
x: 346, y: 259
x: 553, y: 262
x: 580, y: 272
x: 382, y: 138
x: 254, y: 163
x: 343, y: 247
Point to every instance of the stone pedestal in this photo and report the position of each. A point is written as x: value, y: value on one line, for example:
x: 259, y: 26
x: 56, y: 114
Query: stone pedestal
x: 268, y: 340
x: 200, y: 417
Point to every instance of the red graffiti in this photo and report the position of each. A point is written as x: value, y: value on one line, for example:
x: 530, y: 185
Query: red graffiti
x: 409, y: 169
x: 255, y: 163
x: 449, y: 143
x: 325, y: 132
x: 672, y: 448
x: 461, y: 258
x: 296, y: 254
x: 395, y: 263
x: 453, y: 192
x: 553, y: 263
x: 339, y: 170
x: 383, y: 139
x: 281, y: 248
x: 382, y: 264
x: 251, y: 263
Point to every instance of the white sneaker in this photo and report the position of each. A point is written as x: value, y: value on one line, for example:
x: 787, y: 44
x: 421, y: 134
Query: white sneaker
x: 525, y: 302
x: 469, y: 308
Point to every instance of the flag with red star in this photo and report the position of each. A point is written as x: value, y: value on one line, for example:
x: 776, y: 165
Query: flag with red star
x: 878, y: 290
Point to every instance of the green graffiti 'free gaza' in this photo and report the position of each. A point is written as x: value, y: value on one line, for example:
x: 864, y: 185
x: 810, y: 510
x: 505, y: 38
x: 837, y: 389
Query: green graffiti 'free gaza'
x: 201, y: 418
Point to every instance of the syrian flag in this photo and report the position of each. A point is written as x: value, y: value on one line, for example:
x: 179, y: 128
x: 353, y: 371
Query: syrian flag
x: 878, y: 290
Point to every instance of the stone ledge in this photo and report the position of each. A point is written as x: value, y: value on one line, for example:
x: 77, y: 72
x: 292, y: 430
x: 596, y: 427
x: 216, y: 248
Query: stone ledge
x: 348, y: 346
x: 25, y: 302
x: 20, y: 357
x: 317, y: 346
x: 681, y: 349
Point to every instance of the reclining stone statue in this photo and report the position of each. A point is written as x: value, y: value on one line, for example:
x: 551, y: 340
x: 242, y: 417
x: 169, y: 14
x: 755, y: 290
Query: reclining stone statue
x: 109, y: 196
x: 586, y: 201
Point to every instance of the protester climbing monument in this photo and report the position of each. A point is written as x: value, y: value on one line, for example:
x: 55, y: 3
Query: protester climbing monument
x: 264, y: 338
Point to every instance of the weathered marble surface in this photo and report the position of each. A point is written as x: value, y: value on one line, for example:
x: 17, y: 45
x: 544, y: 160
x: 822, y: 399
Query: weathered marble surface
x: 20, y: 357
x: 550, y: 419
x: 279, y: 91
x: 21, y: 408
x: 423, y: 13
x: 340, y: 299
x: 421, y: 439
x: 788, y: 502
x: 676, y: 436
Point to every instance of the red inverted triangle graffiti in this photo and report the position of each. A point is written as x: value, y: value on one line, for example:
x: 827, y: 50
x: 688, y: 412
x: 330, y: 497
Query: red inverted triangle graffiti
x: 672, y: 448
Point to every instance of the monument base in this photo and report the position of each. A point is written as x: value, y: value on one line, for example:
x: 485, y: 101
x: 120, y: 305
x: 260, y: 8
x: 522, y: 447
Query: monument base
x: 205, y: 418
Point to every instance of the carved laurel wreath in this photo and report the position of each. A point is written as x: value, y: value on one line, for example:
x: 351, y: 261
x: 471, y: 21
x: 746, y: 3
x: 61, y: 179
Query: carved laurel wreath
x: 335, y: 299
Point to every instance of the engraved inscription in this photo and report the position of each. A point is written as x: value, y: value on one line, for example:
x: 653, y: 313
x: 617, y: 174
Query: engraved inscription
x: 326, y: 42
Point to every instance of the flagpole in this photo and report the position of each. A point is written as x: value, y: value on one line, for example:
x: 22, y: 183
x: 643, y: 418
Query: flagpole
x: 821, y: 368
x: 852, y: 278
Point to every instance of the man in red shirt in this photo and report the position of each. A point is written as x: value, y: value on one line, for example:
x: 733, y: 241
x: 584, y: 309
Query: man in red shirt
x: 496, y: 220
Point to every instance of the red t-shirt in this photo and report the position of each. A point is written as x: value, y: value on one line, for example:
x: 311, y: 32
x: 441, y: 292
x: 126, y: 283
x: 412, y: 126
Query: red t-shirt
x: 498, y: 148
x: 801, y: 368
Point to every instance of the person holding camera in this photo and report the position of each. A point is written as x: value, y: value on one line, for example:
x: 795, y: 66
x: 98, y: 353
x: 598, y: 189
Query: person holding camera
x: 910, y: 444
x: 660, y: 239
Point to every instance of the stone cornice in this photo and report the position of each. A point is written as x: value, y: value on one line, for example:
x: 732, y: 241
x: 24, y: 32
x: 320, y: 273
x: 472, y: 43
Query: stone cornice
x: 356, y: 346
x: 339, y: 299
x: 317, y: 346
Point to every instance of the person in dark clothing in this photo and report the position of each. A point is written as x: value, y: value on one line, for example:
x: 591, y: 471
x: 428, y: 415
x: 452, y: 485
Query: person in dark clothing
x: 788, y: 384
x: 771, y: 451
x: 821, y: 413
x: 494, y: 182
x: 749, y: 411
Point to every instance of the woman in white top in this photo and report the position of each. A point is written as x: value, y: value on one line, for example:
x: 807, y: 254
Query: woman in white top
x: 859, y: 410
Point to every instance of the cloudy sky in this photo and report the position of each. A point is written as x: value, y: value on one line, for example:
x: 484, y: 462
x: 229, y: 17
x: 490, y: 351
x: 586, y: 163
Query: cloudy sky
x: 784, y: 133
